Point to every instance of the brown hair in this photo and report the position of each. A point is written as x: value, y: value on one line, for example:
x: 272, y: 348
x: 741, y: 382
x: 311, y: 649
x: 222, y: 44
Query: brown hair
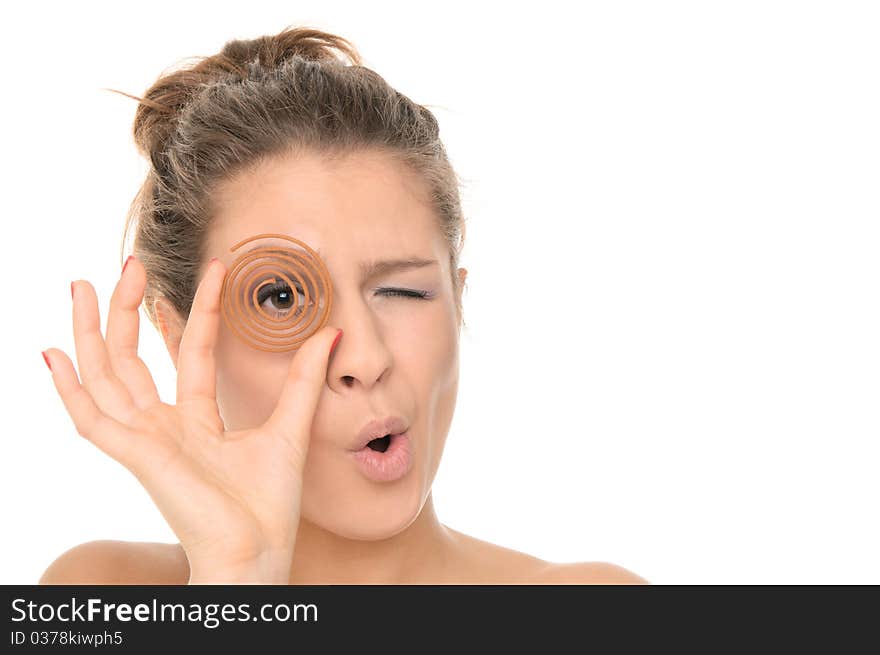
x: 199, y: 125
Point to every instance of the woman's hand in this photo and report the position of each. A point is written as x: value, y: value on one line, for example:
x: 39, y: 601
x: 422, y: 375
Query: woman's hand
x: 231, y: 497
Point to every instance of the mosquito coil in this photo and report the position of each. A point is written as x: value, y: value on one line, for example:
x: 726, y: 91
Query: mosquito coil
x: 265, y: 271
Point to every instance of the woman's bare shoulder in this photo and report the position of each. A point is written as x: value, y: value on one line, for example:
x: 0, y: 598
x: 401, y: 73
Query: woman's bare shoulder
x: 494, y: 564
x: 111, y: 562
x: 586, y: 573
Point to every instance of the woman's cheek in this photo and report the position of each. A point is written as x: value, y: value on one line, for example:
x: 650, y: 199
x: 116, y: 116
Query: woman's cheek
x: 419, y: 332
x: 249, y: 383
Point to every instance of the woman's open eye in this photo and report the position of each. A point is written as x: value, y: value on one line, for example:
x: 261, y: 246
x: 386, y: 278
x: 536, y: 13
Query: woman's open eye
x: 281, y: 295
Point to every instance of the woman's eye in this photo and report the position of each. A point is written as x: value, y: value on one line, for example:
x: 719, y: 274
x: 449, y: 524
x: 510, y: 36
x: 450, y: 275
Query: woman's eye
x: 406, y: 293
x: 281, y: 297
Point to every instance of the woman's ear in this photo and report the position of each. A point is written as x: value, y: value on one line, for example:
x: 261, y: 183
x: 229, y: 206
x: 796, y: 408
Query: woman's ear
x: 171, y: 327
x: 462, y: 275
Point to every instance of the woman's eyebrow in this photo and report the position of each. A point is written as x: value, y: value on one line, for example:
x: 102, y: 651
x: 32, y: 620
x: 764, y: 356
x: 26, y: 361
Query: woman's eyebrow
x: 375, y: 268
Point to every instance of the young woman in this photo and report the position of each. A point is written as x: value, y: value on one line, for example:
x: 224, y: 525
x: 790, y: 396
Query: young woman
x: 286, y: 185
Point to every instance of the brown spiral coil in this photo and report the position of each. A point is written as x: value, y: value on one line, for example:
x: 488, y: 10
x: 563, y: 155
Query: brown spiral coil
x: 300, y: 268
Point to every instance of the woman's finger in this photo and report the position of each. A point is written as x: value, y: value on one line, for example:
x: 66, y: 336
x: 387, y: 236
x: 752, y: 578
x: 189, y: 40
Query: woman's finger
x: 196, y: 367
x: 117, y: 440
x: 98, y: 378
x: 293, y: 415
x: 123, y: 330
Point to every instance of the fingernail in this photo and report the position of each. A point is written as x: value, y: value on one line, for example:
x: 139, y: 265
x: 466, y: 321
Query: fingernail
x: 46, y: 359
x: 126, y: 263
x: 336, y: 341
x: 71, y: 290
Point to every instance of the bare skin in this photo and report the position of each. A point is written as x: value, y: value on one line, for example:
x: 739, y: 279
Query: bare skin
x: 267, y: 434
x: 476, y: 562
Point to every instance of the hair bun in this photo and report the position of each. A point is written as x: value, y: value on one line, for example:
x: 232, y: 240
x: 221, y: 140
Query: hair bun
x: 304, y: 42
x: 156, y: 114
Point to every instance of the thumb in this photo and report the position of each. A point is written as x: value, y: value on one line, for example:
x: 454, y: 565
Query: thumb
x: 292, y: 418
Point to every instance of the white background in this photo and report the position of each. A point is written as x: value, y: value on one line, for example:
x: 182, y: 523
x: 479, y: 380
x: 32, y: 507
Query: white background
x: 671, y: 355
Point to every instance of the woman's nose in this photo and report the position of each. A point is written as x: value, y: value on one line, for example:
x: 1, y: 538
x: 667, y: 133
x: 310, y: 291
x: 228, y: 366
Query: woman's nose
x: 362, y: 355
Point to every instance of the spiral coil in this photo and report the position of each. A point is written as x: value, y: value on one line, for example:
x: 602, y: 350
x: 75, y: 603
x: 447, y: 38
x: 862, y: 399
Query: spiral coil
x: 299, y: 268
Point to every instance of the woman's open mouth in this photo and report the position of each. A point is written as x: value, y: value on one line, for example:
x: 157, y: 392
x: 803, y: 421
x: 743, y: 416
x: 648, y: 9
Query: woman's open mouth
x: 387, y: 458
x: 381, y: 444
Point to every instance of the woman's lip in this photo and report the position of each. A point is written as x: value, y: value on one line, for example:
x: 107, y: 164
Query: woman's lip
x: 378, y: 428
x: 391, y: 465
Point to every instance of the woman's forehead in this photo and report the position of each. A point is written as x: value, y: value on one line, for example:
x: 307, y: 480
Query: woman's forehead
x: 354, y: 237
x: 329, y: 244
x: 371, y: 256
x: 360, y: 187
x: 360, y: 217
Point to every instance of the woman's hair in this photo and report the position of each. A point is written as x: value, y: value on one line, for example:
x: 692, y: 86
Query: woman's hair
x: 200, y: 125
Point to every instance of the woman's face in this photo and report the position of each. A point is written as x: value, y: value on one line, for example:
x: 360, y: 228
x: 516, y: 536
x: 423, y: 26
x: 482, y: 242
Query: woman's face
x: 398, y: 355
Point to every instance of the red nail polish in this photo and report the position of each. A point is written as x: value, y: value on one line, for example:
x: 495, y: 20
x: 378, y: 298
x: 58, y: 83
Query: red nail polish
x: 46, y: 359
x: 335, y: 341
x: 126, y: 263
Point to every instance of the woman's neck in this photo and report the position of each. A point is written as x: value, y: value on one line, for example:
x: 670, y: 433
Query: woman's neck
x: 421, y: 554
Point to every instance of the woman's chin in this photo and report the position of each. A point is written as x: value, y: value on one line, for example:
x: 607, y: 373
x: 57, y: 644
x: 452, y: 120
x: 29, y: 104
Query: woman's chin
x: 371, y: 511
